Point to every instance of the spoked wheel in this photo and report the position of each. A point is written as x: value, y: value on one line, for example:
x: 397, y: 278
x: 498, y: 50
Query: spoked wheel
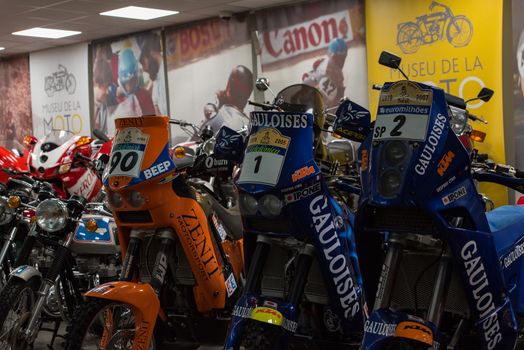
x: 103, y: 325
x: 16, y: 302
x: 459, y: 31
x: 409, y: 38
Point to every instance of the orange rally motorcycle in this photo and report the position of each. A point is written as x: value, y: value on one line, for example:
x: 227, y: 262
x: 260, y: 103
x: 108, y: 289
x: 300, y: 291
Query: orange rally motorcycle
x: 182, y: 254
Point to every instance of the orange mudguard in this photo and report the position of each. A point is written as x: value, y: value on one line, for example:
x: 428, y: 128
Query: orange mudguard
x: 141, y: 297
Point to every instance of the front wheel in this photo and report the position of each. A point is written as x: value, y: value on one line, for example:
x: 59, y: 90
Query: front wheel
x: 16, y: 302
x: 103, y: 325
x: 459, y: 31
x: 259, y: 336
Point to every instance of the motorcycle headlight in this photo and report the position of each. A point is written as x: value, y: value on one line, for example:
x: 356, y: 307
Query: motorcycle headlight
x: 248, y: 204
x: 390, y: 182
x: 51, y: 215
x: 136, y: 199
x: 396, y: 152
x: 115, y: 200
x: 270, y: 205
x: 6, y: 212
x: 458, y: 121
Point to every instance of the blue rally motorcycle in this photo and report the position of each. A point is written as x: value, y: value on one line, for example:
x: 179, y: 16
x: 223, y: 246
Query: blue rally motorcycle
x: 445, y: 274
x: 303, y: 281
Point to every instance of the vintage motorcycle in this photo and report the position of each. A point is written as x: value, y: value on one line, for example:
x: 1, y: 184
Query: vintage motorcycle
x: 303, y: 279
x: 182, y: 251
x: 446, y: 273
x: 60, y: 80
x: 430, y: 28
x: 65, y: 258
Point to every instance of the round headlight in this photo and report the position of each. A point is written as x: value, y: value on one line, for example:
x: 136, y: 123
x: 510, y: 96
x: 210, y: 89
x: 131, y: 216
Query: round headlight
x: 390, y: 182
x: 136, y: 199
x: 396, y: 152
x: 6, y: 213
x: 270, y: 205
x: 458, y: 121
x: 248, y: 204
x: 115, y: 200
x: 51, y: 215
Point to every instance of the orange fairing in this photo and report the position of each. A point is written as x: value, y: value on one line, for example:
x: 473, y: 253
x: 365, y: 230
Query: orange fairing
x: 169, y: 202
x: 143, y: 300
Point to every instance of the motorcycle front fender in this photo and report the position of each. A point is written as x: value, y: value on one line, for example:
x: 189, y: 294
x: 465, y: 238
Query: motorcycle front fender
x: 141, y: 297
x: 25, y: 272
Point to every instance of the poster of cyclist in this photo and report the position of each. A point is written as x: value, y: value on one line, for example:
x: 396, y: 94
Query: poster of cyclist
x: 15, y: 106
x: 60, y: 90
x: 128, y: 79
x: 446, y: 44
x: 518, y: 81
x: 210, y: 75
x: 320, y: 43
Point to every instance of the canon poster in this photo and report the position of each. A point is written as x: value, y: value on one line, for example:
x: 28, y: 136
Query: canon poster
x: 318, y: 43
x: 60, y: 90
x: 15, y: 106
x: 210, y: 75
x: 128, y: 79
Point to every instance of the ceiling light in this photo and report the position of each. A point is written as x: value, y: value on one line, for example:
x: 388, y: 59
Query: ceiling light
x: 2, y: 48
x: 135, y: 12
x: 46, y: 33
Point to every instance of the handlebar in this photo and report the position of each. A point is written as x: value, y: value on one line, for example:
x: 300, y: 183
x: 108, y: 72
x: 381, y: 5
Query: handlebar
x: 264, y: 106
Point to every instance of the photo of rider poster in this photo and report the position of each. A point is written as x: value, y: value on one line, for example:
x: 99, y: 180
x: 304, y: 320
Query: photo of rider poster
x: 446, y: 44
x: 15, y: 107
x: 319, y: 43
x: 128, y: 79
x: 210, y: 75
x: 518, y: 81
x: 60, y: 90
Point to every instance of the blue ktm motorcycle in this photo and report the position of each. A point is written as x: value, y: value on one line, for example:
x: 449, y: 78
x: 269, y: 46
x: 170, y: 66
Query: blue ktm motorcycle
x: 444, y: 272
x: 303, y: 280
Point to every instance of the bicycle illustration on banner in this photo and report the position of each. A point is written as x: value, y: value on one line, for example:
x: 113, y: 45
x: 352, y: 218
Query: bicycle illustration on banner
x: 431, y: 27
x: 60, y: 80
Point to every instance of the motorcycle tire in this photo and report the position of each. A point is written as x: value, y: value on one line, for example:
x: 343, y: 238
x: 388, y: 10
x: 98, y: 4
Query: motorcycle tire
x: 409, y: 38
x: 11, y: 295
x: 87, y: 324
x: 259, y: 336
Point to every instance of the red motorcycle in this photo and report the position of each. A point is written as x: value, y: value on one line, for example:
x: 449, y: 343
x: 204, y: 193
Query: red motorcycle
x: 71, y: 163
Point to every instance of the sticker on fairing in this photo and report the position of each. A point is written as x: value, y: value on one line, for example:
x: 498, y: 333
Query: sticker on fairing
x: 231, y: 285
x: 220, y: 228
x: 404, y: 126
x: 265, y: 155
x: 128, y: 152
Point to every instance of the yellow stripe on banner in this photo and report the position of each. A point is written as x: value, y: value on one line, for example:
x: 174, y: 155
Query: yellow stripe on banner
x: 457, y: 47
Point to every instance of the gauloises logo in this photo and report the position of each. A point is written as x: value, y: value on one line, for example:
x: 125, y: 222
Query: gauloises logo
x: 198, y: 243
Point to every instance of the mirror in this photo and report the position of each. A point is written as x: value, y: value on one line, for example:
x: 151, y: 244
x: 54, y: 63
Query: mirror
x: 262, y: 84
x: 389, y: 60
x: 485, y: 94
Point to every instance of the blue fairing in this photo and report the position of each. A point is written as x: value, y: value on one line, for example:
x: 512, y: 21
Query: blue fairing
x: 412, y: 159
x: 279, y: 161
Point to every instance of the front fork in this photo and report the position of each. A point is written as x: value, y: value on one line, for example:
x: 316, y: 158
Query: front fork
x: 388, y: 278
x: 61, y: 255
x: 3, y: 254
x: 253, y: 284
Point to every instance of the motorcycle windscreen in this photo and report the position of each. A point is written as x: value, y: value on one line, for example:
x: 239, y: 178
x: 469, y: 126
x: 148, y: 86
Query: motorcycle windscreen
x: 279, y: 151
x: 140, y: 152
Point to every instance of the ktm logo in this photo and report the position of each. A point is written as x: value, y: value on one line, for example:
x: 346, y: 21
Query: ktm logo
x: 444, y: 163
x: 268, y: 311
x: 302, y: 172
x: 417, y: 328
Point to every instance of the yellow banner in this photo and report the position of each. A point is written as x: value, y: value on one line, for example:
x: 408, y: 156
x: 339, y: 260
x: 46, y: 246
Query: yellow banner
x: 455, y: 45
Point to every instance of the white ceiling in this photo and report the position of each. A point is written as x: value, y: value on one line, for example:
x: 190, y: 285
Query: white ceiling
x: 83, y: 16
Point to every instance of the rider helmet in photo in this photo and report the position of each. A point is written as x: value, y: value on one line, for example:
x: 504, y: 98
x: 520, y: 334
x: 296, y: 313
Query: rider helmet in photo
x: 128, y: 71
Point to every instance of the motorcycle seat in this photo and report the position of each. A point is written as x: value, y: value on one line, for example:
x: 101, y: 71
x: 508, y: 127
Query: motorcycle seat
x: 504, y: 216
x: 230, y: 218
